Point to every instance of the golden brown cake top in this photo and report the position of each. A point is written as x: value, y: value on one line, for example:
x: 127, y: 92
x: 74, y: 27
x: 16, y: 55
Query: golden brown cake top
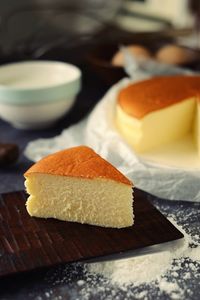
x: 144, y: 97
x: 79, y: 162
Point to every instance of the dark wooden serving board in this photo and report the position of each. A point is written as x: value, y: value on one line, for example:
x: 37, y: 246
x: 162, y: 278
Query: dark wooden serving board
x: 28, y: 243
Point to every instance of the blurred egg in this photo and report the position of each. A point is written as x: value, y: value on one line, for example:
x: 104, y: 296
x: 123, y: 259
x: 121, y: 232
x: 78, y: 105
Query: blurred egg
x: 175, y: 55
x: 136, y: 50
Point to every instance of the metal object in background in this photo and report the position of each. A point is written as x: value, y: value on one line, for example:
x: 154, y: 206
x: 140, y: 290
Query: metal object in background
x: 34, y: 28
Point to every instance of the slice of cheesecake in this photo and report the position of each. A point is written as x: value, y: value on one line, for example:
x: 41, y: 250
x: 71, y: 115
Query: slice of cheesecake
x: 159, y: 111
x: 80, y: 186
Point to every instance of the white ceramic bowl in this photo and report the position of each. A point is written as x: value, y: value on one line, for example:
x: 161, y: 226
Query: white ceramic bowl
x: 34, y: 94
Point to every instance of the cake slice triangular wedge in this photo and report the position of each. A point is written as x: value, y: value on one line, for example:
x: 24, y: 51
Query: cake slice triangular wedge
x: 78, y: 185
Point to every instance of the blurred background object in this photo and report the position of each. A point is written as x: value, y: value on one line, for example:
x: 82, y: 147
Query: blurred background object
x: 92, y: 31
x: 89, y: 33
x: 165, y: 12
x: 34, y: 95
x: 31, y: 28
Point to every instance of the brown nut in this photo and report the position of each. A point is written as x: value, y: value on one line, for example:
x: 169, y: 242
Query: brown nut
x: 9, y: 154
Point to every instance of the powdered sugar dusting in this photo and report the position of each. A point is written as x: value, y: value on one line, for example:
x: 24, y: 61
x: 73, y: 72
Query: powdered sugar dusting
x: 171, y: 274
x: 154, y: 269
x: 133, y: 270
x: 194, y: 254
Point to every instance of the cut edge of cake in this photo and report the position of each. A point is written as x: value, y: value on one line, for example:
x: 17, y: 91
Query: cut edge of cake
x: 99, y: 201
x: 161, y: 127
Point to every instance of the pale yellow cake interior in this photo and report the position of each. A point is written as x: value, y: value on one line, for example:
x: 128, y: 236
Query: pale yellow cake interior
x: 99, y: 201
x: 160, y: 127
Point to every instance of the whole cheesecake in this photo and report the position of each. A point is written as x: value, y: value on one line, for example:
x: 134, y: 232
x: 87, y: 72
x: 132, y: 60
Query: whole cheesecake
x: 80, y: 186
x: 159, y: 111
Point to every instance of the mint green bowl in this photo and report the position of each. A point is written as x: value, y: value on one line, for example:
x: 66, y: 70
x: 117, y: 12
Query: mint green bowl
x: 34, y: 94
